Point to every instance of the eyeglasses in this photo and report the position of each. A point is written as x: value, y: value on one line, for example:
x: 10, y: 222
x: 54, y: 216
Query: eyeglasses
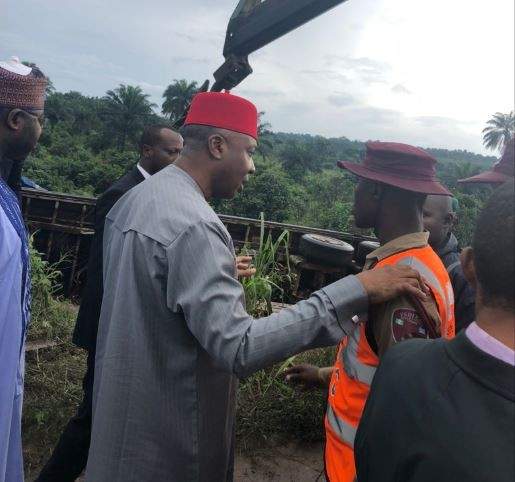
x: 43, y: 121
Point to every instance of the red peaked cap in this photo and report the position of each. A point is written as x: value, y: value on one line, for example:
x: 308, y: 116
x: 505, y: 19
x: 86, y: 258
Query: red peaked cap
x: 224, y: 110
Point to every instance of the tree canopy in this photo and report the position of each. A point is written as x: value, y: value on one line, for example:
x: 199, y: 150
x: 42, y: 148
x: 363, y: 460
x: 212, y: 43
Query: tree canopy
x: 499, y: 130
x: 89, y: 142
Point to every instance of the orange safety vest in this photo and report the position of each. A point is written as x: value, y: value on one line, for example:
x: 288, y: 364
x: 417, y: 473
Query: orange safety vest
x: 356, y: 364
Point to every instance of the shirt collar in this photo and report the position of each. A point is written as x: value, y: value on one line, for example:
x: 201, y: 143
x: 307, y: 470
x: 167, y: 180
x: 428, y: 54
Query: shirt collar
x: 144, y: 173
x: 490, y: 345
x: 398, y: 245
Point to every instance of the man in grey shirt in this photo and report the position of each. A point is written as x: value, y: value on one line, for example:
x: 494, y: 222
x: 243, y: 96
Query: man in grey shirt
x: 174, y: 335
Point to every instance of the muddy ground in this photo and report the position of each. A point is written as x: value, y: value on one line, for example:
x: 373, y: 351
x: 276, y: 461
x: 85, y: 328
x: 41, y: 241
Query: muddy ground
x: 287, y: 463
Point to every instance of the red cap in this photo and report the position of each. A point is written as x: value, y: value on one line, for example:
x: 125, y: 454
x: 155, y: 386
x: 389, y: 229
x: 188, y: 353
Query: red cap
x: 400, y: 165
x: 224, y: 110
x: 502, y: 171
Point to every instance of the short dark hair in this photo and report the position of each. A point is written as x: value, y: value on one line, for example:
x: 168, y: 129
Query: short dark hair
x: 494, y: 248
x: 195, y: 136
x: 151, y: 135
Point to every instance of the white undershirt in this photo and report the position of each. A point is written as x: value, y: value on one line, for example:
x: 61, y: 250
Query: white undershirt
x: 144, y: 173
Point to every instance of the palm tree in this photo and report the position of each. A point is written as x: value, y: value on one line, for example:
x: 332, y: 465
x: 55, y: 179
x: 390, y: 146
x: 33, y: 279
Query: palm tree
x: 177, y: 97
x: 128, y: 107
x: 499, y: 130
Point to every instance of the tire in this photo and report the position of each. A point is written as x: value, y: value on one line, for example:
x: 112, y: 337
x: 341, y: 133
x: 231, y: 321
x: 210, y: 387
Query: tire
x: 326, y: 251
x: 364, y: 249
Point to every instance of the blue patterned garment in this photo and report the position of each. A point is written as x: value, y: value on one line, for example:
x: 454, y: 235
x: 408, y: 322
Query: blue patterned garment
x: 14, y: 318
x: 10, y: 204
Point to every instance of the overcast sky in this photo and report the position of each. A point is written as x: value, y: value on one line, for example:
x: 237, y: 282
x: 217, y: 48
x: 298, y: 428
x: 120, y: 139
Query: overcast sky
x: 426, y: 72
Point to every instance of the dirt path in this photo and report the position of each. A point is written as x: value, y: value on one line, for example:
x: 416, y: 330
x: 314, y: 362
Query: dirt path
x: 287, y: 463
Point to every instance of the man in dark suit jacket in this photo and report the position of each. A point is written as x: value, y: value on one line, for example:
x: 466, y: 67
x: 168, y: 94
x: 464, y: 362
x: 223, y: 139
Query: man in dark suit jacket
x: 439, y: 219
x: 159, y: 147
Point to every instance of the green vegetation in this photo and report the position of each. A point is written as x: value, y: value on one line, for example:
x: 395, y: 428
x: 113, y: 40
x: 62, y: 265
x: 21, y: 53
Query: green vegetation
x: 50, y: 319
x: 89, y: 142
x: 269, y: 409
x: 270, y: 275
x: 499, y: 130
x: 53, y: 374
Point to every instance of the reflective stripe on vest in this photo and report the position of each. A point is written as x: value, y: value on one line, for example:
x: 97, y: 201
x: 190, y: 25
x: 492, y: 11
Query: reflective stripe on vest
x: 446, y: 294
x: 342, y: 429
x: 351, y: 363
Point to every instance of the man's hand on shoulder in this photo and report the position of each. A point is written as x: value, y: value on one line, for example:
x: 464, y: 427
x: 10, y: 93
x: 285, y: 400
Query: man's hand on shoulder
x: 388, y: 282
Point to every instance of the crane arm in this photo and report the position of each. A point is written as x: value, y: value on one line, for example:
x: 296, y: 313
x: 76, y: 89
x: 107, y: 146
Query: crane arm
x: 256, y: 23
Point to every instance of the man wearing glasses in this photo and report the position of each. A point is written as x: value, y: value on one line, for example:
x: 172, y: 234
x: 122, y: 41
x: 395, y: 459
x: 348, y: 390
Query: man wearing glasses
x: 22, y: 98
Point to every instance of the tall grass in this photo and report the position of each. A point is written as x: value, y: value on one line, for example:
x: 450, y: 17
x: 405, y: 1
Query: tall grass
x: 52, y: 375
x: 271, y: 276
x: 270, y: 409
x: 50, y: 318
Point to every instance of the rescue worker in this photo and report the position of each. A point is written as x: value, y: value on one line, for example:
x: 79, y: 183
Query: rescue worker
x: 173, y: 332
x: 444, y: 410
x: 439, y: 219
x: 394, y: 182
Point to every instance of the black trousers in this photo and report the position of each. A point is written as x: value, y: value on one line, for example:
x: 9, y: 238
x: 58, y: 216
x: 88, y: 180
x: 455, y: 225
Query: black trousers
x: 71, y: 452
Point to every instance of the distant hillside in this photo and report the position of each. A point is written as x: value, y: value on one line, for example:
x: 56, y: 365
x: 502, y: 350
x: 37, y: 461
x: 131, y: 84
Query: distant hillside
x: 326, y: 150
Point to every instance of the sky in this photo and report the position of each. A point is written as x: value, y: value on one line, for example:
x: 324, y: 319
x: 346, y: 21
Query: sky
x: 429, y: 73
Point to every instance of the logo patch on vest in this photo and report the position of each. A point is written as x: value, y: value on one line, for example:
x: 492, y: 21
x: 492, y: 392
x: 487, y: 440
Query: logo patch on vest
x: 406, y: 323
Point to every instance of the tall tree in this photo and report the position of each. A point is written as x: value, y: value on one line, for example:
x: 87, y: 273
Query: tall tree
x: 499, y: 130
x: 265, y: 144
x: 177, y: 97
x: 50, y: 89
x: 127, y: 107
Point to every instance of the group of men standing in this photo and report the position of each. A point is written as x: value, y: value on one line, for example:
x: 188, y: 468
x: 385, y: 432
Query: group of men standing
x: 163, y: 315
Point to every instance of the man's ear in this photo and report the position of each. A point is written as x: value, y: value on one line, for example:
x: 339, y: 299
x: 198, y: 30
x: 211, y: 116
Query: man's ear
x: 468, y: 266
x: 216, y: 145
x: 146, y: 151
x: 451, y: 220
x: 15, y: 120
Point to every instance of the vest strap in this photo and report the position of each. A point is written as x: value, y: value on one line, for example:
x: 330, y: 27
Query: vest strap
x: 428, y: 274
x: 343, y: 430
x: 354, y: 368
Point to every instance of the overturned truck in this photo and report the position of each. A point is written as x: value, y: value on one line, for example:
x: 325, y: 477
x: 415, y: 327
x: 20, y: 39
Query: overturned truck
x: 62, y: 227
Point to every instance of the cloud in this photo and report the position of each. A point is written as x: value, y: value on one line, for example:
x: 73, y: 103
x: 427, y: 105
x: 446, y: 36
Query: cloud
x: 341, y: 99
x: 400, y: 89
x: 329, y: 74
x: 193, y: 60
x: 348, y: 73
x: 365, y: 69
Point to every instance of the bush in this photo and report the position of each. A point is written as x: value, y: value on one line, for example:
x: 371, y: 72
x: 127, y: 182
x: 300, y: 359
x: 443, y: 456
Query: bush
x: 50, y: 319
x: 270, y: 409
